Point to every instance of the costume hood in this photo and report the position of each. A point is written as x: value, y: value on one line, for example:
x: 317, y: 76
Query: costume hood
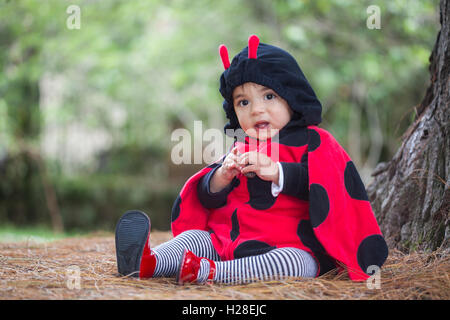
x: 272, y: 67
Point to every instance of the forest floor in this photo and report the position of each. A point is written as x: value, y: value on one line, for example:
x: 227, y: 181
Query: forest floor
x: 48, y: 270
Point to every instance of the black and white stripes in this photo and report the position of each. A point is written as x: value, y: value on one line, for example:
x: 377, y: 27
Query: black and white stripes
x: 168, y: 254
x: 274, y: 265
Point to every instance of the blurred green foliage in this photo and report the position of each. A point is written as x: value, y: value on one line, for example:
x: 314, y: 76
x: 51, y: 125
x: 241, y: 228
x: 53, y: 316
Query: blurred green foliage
x: 32, y: 235
x: 89, y: 112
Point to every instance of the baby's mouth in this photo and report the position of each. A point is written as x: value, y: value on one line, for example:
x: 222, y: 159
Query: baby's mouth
x: 262, y: 125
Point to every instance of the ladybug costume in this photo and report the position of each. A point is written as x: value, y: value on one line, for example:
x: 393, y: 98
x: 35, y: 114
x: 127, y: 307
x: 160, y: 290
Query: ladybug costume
x: 333, y: 220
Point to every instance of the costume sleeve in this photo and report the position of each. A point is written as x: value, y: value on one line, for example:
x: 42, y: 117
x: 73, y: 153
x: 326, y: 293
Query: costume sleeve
x: 212, y: 200
x: 296, y: 181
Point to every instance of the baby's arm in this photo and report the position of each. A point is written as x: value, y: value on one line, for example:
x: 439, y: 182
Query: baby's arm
x: 214, y: 187
x: 210, y: 199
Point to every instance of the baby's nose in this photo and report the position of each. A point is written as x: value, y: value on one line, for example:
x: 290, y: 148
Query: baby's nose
x: 258, y: 108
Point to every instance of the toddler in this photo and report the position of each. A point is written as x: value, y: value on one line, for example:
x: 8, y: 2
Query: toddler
x: 285, y: 201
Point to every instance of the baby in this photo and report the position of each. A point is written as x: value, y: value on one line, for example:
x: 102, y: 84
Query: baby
x: 286, y: 201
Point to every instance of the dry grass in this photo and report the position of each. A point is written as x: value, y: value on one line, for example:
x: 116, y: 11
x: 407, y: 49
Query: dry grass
x: 30, y: 270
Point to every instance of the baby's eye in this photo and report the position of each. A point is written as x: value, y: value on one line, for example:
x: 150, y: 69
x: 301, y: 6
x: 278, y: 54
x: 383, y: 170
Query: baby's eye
x: 270, y: 96
x: 243, y: 103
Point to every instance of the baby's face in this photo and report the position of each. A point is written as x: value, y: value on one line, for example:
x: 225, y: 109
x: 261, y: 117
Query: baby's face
x: 260, y: 110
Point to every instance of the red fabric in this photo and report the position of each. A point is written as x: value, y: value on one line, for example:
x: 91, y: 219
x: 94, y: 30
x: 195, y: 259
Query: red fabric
x: 340, y: 229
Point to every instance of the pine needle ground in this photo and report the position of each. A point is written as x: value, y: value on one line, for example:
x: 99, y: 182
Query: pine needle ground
x: 49, y: 270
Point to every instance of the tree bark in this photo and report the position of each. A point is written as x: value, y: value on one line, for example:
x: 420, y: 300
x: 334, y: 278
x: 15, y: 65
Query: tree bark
x: 410, y: 194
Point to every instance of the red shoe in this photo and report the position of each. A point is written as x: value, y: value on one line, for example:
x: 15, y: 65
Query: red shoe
x: 189, y: 267
x: 134, y: 256
x: 148, y: 261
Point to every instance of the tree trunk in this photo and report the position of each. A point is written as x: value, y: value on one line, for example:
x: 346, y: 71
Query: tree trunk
x: 410, y: 194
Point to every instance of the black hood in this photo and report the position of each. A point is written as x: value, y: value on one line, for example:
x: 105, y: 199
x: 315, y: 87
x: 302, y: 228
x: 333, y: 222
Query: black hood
x: 274, y: 68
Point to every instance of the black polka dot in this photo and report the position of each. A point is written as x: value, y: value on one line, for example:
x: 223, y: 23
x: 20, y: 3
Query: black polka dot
x: 292, y: 137
x: 372, y: 250
x: 260, y: 193
x: 353, y: 183
x: 234, y: 233
x: 319, y: 204
x: 251, y: 248
x: 308, y: 238
x: 176, y: 209
x: 313, y: 140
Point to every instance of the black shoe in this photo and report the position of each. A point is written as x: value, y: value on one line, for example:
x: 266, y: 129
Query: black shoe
x: 131, y: 236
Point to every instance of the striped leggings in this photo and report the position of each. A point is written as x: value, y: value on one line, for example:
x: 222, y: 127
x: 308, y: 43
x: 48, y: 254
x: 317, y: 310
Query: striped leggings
x: 276, y: 264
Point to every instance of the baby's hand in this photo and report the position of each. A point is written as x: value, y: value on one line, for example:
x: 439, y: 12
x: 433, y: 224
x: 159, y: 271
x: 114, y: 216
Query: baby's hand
x: 230, y: 167
x: 260, y: 164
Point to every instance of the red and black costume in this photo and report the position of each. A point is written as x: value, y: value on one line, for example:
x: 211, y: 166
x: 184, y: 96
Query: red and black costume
x: 323, y: 208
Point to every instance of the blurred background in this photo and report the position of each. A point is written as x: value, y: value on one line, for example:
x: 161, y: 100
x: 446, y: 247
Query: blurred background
x: 87, y: 112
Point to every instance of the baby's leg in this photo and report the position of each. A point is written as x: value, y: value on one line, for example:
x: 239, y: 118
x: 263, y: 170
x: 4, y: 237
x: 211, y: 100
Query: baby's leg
x: 168, y: 254
x: 276, y: 264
